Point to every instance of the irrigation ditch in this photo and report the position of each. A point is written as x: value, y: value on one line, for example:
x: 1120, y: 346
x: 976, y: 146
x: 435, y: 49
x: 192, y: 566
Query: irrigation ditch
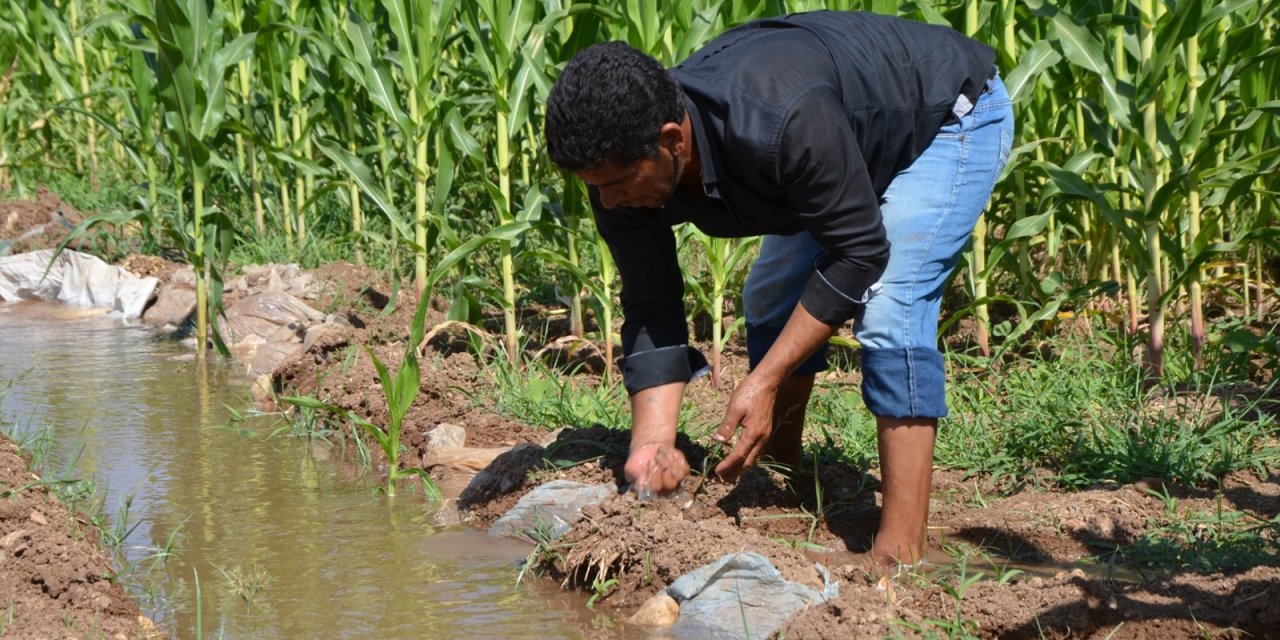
x: 1122, y: 560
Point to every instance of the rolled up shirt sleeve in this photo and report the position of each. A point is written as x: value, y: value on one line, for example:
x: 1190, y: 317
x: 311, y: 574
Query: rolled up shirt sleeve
x: 655, y: 336
x: 827, y: 185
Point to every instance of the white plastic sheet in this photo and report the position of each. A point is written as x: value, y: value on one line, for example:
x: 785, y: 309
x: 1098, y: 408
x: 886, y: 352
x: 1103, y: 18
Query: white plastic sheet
x: 741, y: 595
x: 76, y: 279
x: 552, y: 508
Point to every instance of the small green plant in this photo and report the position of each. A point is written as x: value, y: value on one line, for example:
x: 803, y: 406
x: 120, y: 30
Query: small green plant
x: 544, y: 397
x: 546, y: 549
x: 600, y: 589
x: 9, y: 493
x: 113, y: 534
x: 195, y: 573
x: 399, y: 392
x: 955, y: 582
x: 245, y: 582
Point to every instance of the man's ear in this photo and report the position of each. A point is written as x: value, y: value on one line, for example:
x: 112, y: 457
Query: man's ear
x: 671, y: 136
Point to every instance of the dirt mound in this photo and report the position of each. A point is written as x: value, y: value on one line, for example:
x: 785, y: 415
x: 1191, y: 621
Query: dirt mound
x: 42, y: 223
x: 55, y: 582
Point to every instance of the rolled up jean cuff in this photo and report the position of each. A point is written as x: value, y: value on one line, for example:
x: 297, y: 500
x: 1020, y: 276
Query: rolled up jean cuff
x: 904, y: 383
x: 760, y: 338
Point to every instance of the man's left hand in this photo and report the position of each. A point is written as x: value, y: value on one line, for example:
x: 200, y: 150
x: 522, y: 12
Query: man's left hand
x: 750, y: 407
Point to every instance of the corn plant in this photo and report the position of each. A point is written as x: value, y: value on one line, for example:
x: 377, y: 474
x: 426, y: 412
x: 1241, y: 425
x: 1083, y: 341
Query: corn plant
x: 193, y: 64
x: 726, y: 263
x: 1142, y: 169
x: 399, y: 392
x: 17, y: 105
x: 498, y: 30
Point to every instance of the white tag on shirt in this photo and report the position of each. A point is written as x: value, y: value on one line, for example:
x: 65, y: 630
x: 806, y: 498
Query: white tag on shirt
x: 962, y: 107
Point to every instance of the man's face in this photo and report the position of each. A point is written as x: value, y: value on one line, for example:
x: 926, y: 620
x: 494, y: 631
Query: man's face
x: 647, y: 182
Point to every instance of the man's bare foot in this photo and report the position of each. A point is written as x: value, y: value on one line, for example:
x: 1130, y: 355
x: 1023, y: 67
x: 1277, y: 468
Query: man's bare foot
x: 864, y: 561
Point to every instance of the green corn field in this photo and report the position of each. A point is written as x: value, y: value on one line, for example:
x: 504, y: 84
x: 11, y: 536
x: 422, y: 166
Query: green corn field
x: 1142, y: 190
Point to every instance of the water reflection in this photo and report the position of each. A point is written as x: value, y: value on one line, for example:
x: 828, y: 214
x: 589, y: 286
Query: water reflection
x: 282, y: 545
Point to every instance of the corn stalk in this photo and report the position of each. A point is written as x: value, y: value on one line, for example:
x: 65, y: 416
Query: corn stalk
x: 193, y: 63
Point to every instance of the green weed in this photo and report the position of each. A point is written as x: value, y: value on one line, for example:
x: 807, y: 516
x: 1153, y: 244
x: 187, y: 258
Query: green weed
x: 541, y: 397
x: 245, y: 582
x: 1092, y: 420
x: 1204, y: 540
x: 546, y: 550
x: 955, y: 582
x: 600, y: 589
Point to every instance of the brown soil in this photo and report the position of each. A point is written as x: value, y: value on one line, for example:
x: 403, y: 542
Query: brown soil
x: 55, y: 582
x: 18, y: 217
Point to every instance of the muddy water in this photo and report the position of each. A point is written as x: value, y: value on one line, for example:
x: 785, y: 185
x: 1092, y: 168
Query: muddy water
x: 286, y: 542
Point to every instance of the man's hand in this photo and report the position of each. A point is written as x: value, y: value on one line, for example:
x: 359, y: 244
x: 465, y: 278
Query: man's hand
x: 655, y: 469
x: 750, y: 407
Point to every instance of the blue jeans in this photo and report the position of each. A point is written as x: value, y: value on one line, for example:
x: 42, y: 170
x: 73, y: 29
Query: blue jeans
x: 929, y: 212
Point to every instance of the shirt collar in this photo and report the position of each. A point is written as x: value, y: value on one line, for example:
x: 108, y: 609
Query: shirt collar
x: 710, y: 179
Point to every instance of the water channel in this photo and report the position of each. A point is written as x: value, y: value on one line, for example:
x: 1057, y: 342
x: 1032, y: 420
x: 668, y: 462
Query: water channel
x: 285, y: 540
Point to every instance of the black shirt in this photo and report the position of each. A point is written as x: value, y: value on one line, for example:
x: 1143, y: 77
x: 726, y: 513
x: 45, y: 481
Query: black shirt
x: 801, y: 122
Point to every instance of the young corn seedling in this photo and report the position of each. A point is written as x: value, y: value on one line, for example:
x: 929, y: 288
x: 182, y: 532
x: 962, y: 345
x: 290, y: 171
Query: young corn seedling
x: 399, y: 391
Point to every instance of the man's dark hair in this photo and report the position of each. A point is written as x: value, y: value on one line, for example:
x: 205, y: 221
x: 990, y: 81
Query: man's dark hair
x: 607, y: 106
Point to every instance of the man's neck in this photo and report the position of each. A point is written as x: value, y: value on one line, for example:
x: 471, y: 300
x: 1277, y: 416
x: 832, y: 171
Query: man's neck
x: 691, y: 177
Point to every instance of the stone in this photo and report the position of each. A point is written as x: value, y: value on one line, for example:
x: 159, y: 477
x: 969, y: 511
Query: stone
x: 659, y: 611
x: 39, y: 518
x: 185, y: 278
x: 149, y: 628
x: 173, y: 306
x: 263, y: 393
x: 471, y: 459
x: 334, y: 330
x: 270, y: 356
x: 551, y: 437
x: 11, y: 540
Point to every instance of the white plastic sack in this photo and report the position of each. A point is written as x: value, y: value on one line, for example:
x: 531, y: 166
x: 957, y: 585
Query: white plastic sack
x: 74, y: 278
x: 741, y: 595
x: 263, y: 314
x: 551, y: 508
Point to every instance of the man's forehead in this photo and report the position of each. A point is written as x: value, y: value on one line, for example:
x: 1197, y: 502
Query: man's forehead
x: 608, y: 175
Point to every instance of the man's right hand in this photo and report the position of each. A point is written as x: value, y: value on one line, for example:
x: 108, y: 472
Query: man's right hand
x: 655, y: 469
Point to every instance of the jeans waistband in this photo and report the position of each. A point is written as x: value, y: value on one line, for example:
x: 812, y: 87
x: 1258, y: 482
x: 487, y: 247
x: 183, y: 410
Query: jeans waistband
x: 963, y: 105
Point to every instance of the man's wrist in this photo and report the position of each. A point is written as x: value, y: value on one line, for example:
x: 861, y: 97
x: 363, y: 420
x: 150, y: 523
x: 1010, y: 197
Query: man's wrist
x: 651, y: 444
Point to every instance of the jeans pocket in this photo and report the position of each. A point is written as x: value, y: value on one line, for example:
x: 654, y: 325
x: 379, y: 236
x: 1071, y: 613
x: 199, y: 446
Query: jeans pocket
x: 955, y: 130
